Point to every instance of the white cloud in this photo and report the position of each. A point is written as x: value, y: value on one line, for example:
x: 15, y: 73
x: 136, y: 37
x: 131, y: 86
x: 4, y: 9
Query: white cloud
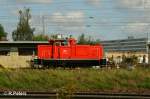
x: 136, y: 29
x: 147, y: 3
x: 34, y: 1
x: 141, y: 23
x: 71, y: 22
x: 137, y: 4
x: 15, y: 12
x: 132, y: 3
x: 70, y: 19
x: 93, y: 2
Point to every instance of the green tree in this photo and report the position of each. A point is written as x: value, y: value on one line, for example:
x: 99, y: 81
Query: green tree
x: 40, y: 37
x: 3, y: 34
x: 82, y: 39
x: 53, y: 36
x: 24, y: 31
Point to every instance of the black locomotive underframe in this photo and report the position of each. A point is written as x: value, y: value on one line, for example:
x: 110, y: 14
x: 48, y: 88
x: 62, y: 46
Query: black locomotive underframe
x: 68, y: 62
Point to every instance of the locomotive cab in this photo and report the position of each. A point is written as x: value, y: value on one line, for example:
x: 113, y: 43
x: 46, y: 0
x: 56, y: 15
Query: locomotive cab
x: 63, y: 42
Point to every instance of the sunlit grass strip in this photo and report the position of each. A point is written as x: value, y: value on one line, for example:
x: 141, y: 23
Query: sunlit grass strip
x: 83, y: 79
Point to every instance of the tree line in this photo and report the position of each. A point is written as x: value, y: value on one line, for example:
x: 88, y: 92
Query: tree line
x: 24, y: 31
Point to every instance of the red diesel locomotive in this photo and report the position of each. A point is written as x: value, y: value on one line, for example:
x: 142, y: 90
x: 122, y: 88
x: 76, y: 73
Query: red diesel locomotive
x: 67, y: 53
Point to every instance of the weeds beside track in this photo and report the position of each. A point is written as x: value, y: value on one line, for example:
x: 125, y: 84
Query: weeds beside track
x: 116, y: 80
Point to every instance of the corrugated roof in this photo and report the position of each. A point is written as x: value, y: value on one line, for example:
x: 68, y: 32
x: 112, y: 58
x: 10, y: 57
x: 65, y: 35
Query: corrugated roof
x: 21, y: 42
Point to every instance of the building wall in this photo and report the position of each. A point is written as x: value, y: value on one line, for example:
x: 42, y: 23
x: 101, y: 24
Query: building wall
x: 17, y: 54
x: 116, y: 54
x: 15, y: 61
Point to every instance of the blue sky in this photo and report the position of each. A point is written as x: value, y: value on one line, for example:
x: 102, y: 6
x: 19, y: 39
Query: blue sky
x: 102, y: 19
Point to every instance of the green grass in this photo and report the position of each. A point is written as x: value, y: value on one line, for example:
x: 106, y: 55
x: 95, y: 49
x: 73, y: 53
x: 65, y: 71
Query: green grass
x: 73, y: 80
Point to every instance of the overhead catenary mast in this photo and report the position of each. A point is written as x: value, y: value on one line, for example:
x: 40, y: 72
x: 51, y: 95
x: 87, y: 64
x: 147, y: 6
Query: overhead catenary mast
x: 43, y: 23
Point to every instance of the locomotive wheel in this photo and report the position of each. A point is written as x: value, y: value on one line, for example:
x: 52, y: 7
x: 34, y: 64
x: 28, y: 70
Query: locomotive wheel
x: 35, y: 66
x: 40, y: 67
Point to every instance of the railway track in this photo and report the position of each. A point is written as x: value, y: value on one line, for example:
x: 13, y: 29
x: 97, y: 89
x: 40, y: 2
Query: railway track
x: 78, y: 95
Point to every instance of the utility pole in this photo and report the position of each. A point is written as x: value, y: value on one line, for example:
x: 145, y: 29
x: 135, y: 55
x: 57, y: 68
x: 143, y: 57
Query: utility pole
x: 43, y: 24
x: 147, y: 44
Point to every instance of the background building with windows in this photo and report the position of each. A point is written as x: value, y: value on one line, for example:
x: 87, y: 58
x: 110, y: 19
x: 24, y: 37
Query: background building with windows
x: 130, y: 46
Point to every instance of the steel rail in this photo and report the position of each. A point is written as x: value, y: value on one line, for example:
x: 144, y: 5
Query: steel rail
x: 76, y: 95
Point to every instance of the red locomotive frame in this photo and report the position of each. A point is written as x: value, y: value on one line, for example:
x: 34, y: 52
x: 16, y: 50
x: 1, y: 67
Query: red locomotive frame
x: 67, y: 53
